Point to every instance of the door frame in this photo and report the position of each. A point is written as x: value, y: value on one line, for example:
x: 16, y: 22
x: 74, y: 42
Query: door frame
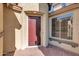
x: 36, y: 13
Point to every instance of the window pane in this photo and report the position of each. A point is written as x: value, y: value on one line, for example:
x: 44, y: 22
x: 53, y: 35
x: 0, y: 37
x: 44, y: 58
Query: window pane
x: 55, y: 27
x: 66, y: 28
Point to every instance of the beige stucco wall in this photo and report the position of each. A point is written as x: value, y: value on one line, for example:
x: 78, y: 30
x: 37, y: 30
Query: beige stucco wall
x: 30, y: 6
x: 10, y: 24
x: 75, y: 26
x: 15, y: 30
x: 16, y: 26
x: 75, y: 32
x: 35, y: 7
x: 1, y: 29
x: 44, y: 23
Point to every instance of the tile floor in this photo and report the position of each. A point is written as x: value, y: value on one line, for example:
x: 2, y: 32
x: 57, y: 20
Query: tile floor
x: 42, y: 51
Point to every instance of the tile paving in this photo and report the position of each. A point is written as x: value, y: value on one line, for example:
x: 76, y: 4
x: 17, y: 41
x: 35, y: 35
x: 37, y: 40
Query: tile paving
x: 43, y: 51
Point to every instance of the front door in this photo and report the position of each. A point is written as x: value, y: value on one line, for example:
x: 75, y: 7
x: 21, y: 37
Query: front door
x: 34, y: 30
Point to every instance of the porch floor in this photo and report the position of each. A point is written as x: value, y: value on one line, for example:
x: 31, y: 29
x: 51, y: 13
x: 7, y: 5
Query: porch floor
x: 42, y: 51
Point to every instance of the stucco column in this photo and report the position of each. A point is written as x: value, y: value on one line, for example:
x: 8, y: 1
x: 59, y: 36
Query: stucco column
x: 1, y: 29
x: 76, y: 26
x: 24, y: 31
x: 43, y: 7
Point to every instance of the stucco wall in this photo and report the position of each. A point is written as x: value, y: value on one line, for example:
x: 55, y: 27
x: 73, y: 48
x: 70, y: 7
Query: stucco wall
x: 75, y: 32
x: 75, y: 26
x: 10, y: 24
x: 30, y: 6
x: 15, y: 30
x: 1, y: 29
x: 44, y: 22
x: 35, y: 7
x: 21, y: 36
x: 16, y: 26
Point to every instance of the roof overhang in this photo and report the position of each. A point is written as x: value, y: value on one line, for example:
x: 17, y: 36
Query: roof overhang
x: 65, y: 9
x: 34, y: 13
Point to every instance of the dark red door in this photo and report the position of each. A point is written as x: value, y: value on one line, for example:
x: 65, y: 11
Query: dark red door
x: 34, y: 31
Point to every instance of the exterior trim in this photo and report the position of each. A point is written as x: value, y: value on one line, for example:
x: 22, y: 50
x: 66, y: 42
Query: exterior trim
x: 65, y: 9
x: 15, y: 7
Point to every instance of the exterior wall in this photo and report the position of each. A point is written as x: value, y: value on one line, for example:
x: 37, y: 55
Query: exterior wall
x: 75, y: 26
x: 24, y: 33
x: 1, y: 29
x: 16, y: 30
x: 75, y: 32
x: 44, y: 24
x: 16, y: 26
x: 10, y: 24
x: 30, y: 6
x: 35, y: 7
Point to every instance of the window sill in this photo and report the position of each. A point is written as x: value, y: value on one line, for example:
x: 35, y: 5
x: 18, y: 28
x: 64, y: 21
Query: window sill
x: 69, y: 42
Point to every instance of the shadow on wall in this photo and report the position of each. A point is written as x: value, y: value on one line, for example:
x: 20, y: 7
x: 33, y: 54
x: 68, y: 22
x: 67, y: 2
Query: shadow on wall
x: 10, y: 23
